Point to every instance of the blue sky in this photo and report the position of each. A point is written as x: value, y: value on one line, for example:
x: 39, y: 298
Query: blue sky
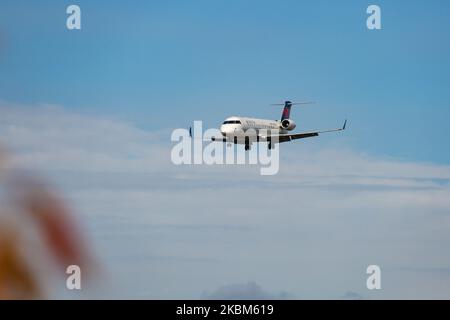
x: 92, y: 110
x: 149, y: 61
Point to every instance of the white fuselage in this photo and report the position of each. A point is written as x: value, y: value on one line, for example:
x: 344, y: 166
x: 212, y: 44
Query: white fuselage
x: 241, y: 126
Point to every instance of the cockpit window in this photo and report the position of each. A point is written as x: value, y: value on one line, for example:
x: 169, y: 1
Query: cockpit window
x: 232, y: 122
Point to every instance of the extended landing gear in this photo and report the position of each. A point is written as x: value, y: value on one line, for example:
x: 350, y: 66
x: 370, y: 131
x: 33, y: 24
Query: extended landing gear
x: 247, y: 143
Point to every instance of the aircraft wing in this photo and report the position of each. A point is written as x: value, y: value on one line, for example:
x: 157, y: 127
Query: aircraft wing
x: 294, y: 136
x: 281, y: 137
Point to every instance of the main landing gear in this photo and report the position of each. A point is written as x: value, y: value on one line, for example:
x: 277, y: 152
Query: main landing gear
x: 247, y: 143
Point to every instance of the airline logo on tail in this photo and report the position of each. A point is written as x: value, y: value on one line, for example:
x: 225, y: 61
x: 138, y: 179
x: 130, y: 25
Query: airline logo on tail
x: 286, y: 111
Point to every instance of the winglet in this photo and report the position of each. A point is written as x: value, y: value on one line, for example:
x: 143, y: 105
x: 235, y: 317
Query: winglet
x: 345, y: 124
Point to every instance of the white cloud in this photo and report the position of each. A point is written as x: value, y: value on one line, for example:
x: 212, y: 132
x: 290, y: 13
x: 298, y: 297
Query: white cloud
x: 310, y: 230
x: 50, y: 137
x: 244, y: 291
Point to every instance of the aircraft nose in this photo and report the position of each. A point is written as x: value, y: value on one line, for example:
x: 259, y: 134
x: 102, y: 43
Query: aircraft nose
x: 222, y: 130
x: 225, y: 129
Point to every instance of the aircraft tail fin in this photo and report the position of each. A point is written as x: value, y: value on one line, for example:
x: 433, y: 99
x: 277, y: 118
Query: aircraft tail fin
x: 287, y: 108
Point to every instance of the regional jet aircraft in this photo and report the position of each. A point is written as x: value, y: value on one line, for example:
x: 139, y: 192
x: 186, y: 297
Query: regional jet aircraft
x: 242, y: 130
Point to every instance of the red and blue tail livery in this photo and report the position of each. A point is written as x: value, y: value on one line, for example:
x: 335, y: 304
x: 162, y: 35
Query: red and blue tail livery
x: 286, y: 111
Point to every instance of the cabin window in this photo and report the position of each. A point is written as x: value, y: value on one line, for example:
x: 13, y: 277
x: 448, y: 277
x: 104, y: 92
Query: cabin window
x: 232, y: 122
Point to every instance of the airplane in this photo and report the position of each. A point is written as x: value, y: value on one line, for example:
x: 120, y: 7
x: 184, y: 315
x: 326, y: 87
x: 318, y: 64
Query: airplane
x: 243, y: 130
